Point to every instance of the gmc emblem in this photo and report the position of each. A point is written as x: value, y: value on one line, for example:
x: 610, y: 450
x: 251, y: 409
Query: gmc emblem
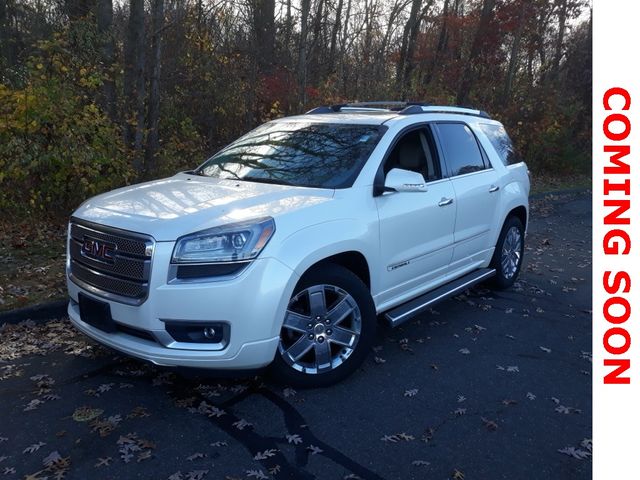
x: 98, y: 250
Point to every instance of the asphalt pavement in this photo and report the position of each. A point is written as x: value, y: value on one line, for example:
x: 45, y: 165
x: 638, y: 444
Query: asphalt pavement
x: 488, y: 385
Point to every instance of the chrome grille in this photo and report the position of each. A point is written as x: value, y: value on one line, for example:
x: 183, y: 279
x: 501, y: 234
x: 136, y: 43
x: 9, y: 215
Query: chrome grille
x: 125, y: 276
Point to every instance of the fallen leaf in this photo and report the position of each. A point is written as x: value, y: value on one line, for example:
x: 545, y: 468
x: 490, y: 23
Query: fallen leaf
x: 259, y: 474
x: 271, y: 452
x: 295, y: 439
x: 489, y: 424
x: 196, y: 474
x: 196, y: 456
x: 242, y: 424
x: 289, y: 392
x: 457, y: 475
x: 103, y: 462
x: 86, y: 414
x: 51, y: 459
x: 34, y: 448
x: 144, y: 456
x: 314, y: 450
x: 575, y: 452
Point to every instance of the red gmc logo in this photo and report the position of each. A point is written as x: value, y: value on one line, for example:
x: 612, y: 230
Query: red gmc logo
x: 99, y: 250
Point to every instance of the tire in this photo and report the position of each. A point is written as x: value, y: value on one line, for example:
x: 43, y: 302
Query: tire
x: 507, y: 257
x: 328, y: 329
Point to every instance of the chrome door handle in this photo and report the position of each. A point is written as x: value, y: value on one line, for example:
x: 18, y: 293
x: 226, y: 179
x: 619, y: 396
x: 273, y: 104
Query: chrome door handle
x: 494, y: 188
x: 445, y: 201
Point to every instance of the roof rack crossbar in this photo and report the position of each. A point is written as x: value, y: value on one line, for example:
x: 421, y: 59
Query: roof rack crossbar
x: 402, y: 108
x: 444, y: 109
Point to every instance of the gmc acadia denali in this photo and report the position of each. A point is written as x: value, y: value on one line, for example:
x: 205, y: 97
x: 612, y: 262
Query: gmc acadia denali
x: 285, y: 247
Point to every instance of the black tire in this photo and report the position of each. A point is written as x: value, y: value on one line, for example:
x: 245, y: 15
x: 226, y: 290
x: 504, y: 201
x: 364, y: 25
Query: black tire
x: 504, y: 278
x: 326, y: 277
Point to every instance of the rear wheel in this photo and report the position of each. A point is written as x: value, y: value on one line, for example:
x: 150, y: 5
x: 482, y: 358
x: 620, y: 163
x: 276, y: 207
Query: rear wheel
x: 329, y: 327
x: 507, y: 258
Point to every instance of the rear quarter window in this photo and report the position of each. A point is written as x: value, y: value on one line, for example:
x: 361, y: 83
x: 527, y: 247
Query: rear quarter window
x: 500, y: 140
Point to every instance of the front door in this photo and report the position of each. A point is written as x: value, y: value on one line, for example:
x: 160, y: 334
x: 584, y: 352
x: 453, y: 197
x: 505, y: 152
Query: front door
x: 416, y: 228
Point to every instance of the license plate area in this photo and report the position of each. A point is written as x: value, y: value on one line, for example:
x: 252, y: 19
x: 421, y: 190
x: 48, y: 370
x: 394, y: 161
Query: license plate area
x: 96, y: 313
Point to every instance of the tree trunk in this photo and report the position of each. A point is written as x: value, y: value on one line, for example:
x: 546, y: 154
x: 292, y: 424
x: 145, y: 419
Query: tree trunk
x: 265, y: 33
x: 305, y: 6
x: 469, y: 73
x: 77, y: 9
x: 334, y: 36
x: 287, y: 27
x: 153, y: 117
x: 134, y: 83
x: 408, y: 37
x: 343, y: 46
x: 443, y: 38
x: 4, y: 38
x: 104, y: 20
x: 557, y: 56
x: 409, y: 63
x: 513, y: 57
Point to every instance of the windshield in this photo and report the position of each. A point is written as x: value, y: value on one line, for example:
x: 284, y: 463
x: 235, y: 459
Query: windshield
x: 301, y: 154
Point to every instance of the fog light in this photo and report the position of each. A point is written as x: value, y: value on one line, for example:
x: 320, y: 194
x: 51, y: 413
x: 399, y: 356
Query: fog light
x: 196, y: 332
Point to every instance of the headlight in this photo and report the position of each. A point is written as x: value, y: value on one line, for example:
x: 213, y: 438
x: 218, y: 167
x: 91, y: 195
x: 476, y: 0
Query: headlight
x: 235, y: 242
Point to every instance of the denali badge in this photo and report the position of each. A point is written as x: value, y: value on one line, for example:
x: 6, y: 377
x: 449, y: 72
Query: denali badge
x: 98, y: 250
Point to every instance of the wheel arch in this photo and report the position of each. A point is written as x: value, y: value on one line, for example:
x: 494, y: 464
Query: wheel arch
x: 520, y: 212
x: 352, y: 260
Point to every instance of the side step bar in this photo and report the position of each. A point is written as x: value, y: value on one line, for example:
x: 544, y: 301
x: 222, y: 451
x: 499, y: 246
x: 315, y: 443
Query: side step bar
x: 406, y: 311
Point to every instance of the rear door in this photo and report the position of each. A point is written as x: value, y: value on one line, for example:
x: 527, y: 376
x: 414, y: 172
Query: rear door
x: 477, y: 189
x: 416, y: 228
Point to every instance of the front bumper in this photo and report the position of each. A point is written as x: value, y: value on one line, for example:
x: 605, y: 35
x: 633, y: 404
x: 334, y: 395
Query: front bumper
x: 252, y: 305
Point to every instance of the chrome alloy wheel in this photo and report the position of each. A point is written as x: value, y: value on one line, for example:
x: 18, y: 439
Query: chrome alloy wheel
x: 321, y: 329
x: 511, y: 252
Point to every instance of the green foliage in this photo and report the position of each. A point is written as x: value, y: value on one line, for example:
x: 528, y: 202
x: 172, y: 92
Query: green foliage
x: 56, y: 146
x: 183, y: 149
x: 65, y: 108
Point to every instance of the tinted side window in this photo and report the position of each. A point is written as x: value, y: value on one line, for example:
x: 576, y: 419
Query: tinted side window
x: 498, y: 137
x: 415, y: 152
x: 461, y: 151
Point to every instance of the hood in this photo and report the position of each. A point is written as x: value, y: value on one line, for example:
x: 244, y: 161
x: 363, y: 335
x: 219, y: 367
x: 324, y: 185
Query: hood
x: 169, y: 208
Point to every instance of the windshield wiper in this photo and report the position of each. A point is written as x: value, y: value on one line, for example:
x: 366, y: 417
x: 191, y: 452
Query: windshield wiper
x: 266, y: 180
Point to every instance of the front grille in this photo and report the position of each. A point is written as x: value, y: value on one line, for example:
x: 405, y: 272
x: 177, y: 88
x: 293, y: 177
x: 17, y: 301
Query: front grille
x: 124, y: 274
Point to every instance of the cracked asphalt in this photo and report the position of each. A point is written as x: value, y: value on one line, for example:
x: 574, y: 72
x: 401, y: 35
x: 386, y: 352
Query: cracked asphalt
x: 489, y: 385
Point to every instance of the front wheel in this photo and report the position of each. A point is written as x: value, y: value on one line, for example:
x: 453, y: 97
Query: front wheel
x: 507, y: 258
x: 329, y: 327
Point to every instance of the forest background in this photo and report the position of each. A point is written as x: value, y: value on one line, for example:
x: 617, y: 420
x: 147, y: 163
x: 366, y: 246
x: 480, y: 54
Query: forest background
x: 96, y: 94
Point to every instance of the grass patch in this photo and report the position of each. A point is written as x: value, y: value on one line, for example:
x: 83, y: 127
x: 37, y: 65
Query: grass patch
x: 32, y: 260
x: 544, y: 183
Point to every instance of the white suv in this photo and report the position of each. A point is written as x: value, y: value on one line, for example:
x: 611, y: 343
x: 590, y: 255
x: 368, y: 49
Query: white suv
x: 285, y: 246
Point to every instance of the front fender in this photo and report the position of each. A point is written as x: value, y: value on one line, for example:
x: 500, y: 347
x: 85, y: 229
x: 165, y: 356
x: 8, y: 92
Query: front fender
x: 308, y: 246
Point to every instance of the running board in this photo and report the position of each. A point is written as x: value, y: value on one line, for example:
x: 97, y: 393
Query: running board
x: 418, y: 305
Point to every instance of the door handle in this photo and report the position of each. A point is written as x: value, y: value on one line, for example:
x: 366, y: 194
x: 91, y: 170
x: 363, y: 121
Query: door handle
x: 445, y: 201
x: 494, y: 188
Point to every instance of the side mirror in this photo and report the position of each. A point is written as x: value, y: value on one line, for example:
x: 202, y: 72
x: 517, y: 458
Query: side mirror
x: 400, y: 180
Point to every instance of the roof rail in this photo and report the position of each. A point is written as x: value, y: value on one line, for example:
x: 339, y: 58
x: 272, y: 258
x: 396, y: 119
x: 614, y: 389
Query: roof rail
x: 375, y: 106
x: 402, y: 108
x: 413, y: 109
